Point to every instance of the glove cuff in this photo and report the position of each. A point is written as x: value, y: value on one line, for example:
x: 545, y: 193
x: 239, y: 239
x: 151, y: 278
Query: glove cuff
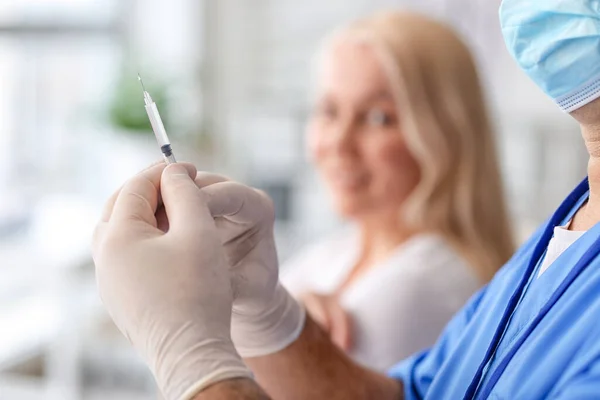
x: 182, y: 372
x: 273, y: 330
x: 214, y: 377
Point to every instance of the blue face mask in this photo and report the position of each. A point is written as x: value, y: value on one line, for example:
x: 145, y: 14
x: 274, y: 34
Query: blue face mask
x: 557, y: 43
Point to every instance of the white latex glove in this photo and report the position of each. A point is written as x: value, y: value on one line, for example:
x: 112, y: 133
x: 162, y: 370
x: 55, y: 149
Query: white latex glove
x: 265, y: 318
x: 169, y: 292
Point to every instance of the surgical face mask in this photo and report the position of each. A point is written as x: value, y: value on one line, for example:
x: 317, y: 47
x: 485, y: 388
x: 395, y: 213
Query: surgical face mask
x: 557, y: 43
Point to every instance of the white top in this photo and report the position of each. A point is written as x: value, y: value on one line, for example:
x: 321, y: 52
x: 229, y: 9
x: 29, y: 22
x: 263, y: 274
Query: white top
x: 562, y: 239
x: 397, y: 307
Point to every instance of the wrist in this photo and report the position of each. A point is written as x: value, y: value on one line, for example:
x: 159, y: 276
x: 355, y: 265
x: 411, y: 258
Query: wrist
x: 277, y: 326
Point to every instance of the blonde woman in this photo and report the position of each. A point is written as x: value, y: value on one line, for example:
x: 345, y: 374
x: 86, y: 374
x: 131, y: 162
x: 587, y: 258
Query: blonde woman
x: 401, y: 136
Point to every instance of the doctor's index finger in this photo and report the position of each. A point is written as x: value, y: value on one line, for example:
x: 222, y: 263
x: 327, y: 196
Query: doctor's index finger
x: 138, y: 198
x: 238, y: 202
x: 204, y: 179
x: 110, y: 203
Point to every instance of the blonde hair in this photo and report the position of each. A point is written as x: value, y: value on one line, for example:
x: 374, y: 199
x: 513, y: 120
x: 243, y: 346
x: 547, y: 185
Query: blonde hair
x: 446, y: 126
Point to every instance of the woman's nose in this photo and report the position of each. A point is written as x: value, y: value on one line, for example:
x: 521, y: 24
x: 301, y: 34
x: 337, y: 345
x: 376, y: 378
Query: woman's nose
x: 343, y: 137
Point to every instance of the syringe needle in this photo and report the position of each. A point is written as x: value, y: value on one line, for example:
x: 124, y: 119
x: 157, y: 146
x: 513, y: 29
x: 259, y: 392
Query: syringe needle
x: 142, y: 82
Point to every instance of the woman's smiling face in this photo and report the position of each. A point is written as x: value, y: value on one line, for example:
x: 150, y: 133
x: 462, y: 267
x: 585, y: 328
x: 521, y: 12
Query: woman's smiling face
x: 354, y: 134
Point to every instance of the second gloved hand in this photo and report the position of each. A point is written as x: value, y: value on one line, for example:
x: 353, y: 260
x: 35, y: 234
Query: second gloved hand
x: 265, y: 318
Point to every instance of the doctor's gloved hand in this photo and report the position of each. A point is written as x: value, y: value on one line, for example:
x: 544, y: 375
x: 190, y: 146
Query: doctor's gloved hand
x: 167, y: 285
x: 265, y: 317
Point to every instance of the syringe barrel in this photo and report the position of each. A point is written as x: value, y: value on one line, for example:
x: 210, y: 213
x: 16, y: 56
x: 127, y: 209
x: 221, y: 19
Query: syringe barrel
x: 157, y: 124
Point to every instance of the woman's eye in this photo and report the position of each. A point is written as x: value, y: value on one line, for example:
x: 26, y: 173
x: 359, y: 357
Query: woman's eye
x: 379, y: 118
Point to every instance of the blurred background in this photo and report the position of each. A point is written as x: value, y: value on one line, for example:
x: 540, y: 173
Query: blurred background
x: 231, y: 79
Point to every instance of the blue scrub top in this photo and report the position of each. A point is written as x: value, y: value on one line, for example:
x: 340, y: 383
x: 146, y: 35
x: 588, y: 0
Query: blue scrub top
x: 560, y: 359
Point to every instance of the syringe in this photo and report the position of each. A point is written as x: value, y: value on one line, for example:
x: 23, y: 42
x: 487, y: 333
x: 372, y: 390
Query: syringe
x: 158, y: 127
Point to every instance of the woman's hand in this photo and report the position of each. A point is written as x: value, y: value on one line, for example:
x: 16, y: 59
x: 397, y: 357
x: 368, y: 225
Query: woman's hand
x: 328, y: 313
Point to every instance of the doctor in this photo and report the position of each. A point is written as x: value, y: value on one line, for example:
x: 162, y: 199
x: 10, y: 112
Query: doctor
x: 203, y: 314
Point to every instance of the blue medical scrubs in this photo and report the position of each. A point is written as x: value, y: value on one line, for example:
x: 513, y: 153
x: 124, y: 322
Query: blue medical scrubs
x: 541, y: 343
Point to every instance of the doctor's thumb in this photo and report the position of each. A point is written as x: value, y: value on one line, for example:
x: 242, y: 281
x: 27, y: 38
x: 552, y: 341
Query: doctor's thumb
x: 185, y: 204
x: 181, y: 168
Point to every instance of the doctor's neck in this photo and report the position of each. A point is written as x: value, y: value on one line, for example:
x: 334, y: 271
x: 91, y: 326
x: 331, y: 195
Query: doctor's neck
x: 589, y: 119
